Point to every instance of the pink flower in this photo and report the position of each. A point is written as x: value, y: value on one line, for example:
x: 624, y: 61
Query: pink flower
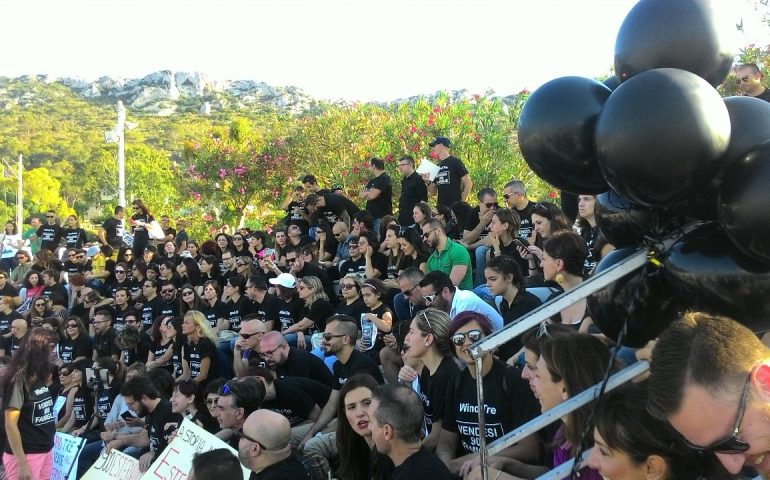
x: 413, y: 129
x: 436, y: 109
x: 207, y: 217
x: 344, y: 173
x: 389, y: 157
x: 275, y: 193
x: 431, y: 119
x: 222, y: 173
x: 242, y: 190
x: 476, y: 97
x: 415, y: 148
x: 524, y: 92
x: 269, y: 230
x: 355, y: 169
x: 477, y: 138
x: 196, y: 196
x: 552, y: 194
x: 239, y: 170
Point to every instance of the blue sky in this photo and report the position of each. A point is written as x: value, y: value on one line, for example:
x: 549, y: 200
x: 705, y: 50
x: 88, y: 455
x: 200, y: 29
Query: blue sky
x: 356, y: 50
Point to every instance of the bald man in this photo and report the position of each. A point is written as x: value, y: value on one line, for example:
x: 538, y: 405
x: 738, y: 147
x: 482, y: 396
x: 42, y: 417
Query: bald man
x: 246, y: 349
x: 264, y: 448
x: 18, y: 330
x: 288, y: 361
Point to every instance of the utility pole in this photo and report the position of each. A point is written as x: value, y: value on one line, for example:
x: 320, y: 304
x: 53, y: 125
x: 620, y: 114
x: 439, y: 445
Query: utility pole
x: 120, y: 129
x: 19, y: 192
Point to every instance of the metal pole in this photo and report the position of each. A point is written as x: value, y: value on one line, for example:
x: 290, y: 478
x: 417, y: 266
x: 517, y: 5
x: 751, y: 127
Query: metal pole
x: 19, y: 196
x: 119, y: 130
x: 482, y: 425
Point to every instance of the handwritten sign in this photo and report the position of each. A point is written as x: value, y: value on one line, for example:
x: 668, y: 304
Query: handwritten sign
x: 115, y: 465
x: 175, y: 461
x: 66, y: 449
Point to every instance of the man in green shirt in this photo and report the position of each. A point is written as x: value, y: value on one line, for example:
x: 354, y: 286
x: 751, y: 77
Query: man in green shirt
x: 34, y: 244
x: 448, y: 256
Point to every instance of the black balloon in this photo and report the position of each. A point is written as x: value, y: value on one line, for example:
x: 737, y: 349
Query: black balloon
x: 622, y: 224
x: 750, y: 120
x: 641, y: 298
x: 707, y: 272
x: 556, y: 133
x: 750, y: 126
x: 691, y: 35
x: 744, y: 203
x: 612, y: 82
x: 660, y: 135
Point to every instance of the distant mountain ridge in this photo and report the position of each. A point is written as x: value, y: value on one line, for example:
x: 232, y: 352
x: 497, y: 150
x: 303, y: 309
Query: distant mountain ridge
x: 165, y: 93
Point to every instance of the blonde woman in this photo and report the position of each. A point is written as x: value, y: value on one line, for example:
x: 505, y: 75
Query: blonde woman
x: 200, y: 351
x: 317, y: 310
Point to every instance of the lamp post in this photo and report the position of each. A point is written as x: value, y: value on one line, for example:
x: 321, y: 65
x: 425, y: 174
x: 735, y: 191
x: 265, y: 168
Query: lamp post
x: 19, y: 194
x: 119, y: 129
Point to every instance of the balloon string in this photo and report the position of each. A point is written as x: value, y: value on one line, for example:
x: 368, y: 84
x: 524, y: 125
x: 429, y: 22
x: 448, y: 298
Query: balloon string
x: 635, y: 299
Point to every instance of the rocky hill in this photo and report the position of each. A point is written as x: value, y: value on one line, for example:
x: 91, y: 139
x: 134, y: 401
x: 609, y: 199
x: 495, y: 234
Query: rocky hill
x: 165, y: 93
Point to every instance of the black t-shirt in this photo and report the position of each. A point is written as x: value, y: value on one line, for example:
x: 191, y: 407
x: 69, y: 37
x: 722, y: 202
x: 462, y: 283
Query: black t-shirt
x: 383, y: 204
x: 357, y: 267
x: 6, y: 319
x: 174, y: 365
x: 113, y: 231
x: 37, y: 425
x: 300, y: 363
x: 357, y: 363
x: 169, y: 309
x: 105, y: 397
x: 355, y: 309
x: 296, y: 218
x: 765, y: 95
x: 295, y: 398
x: 140, y: 353
x: 267, y: 309
x: 434, y: 388
x: 74, y: 267
x: 8, y: 290
x: 288, y: 469
x: 318, y: 312
x: 450, y: 171
x: 105, y: 345
x: 69, y: 350
x: 235, y: 311
x: 422, y: 464
x: 215, y: 312
x: 311, y: 269
x: 50, y: 236
x: 512, y: 252
x: 74, y: 237
x: 472, y: 221
x: 290, y: 313
x: 407, y: 261
x: 156, y: 422
x: 413, y: 190
x: 194, y: 354
x: 57, y: 287
x: 150, y: 311
x: 509, y: 403
x: 333, y: 208
x: 525, y: 215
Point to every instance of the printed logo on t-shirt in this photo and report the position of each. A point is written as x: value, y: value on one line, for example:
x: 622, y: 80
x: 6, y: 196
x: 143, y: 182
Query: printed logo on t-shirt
x: 42, y: 411
x: 442, y: 177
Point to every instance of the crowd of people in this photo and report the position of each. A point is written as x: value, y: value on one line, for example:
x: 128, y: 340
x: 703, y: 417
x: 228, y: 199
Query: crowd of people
x: 337, y: 345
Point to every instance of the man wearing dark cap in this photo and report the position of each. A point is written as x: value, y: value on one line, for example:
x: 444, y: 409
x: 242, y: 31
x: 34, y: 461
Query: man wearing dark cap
x: 453, y: 182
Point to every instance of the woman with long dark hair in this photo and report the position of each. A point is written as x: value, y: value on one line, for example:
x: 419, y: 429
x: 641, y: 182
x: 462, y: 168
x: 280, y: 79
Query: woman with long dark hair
x: 76, y: 345
x: 189, y: 299
x: 72, y: 234
x: 30, y: 425
x: 394, y: 254
x: 140, y: 223
x: 357, y: 461
x: 547, y: 219
x: 214, y: 309
x: 188, y: 401
x: 33, y: 284
x: 194, y: 250
x: 223, y: 243
x: 413, y: 250
x: 167, y: 351
x: 189, y: 272
x: 421, y: 213
x: 564, y: 257
x: 138, y: 276
x: 209, y: 268
x: 587, y: 227
x: 169, y: 252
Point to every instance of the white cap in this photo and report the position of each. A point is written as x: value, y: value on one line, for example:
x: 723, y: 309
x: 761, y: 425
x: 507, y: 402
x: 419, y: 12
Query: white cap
x: 285, y: 280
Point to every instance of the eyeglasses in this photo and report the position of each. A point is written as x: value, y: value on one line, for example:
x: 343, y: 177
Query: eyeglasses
x: 240, y: 434
x: 291, y: 260
x: 64, y: 373
x: 97, y: 322
x: 37, y: 304
x: 128, y: 254
x: 225, y: 259
x: 472, y: 335
x: 352, y: 245
x: 240, y: 264
x: 429, y: 298
x: 247, y: 336
x: 72, y: 325
x: 71, y: 255
x: 427, y: 234
x: 347, y: 286
x: 269, y: 353
x: 80, y: 256
x: 329, y: 336
x: 120, y: 271
x: 187, y: 292
x: 49, y: 216
x: 167, y: 291
x: 408, y: 293
x: 491, y: 205
x: 731, y: 444
x: 211, y: 401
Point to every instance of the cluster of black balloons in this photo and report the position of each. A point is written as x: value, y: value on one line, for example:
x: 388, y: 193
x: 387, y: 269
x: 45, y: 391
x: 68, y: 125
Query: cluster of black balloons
x: 660, y: 148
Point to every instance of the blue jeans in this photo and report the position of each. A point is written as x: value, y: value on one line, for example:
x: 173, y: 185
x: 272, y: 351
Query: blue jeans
x: 481, y: 263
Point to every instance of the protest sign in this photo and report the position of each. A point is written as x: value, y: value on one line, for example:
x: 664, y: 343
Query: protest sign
x: 115, y: 465
x: 175, y: 461
x: 66, y: 449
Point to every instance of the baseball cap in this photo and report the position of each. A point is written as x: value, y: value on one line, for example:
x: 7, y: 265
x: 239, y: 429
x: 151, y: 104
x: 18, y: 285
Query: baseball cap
x: 441, y: 141
x: 285, y: 280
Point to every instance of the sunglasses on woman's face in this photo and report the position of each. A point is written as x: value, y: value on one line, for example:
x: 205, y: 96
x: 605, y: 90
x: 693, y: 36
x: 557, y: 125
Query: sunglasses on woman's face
x: 347, y: 286
x: 211, y: 401
x: 458, y: 339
